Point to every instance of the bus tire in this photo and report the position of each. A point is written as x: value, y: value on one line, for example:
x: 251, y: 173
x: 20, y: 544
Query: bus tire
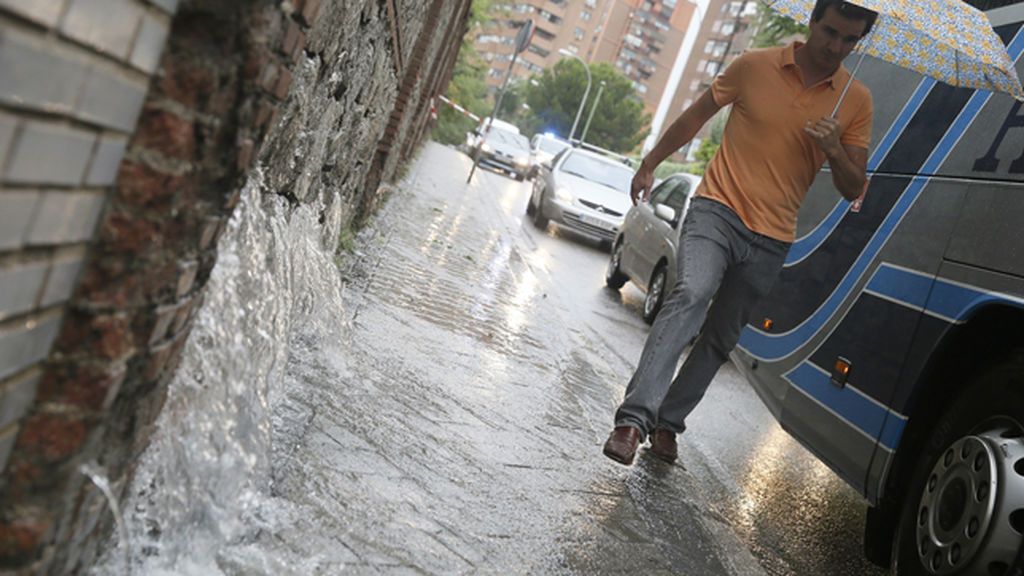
x: 964, y: 511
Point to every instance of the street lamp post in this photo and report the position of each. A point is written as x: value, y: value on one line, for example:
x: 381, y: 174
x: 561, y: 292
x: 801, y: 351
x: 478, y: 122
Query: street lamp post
x: 597, y: 100
x: 586, y: 92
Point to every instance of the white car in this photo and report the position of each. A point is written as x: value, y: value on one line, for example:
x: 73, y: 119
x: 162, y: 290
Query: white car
x: 584, y: 191
x: 543, y: 148
x: 645, y: 249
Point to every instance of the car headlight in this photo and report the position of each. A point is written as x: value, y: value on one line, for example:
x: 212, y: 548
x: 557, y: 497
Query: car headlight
x: 564, y: 195
x: 486, y: 148
x: 522, y: 162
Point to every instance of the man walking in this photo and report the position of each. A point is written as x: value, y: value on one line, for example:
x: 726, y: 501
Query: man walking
x: 743, y: 219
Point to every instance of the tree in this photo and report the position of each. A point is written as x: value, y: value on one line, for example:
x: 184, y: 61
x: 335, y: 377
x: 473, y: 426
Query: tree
x: 619, y: 123
x: 710, y: 145
x: 774, y: 28
x: 468, y: 86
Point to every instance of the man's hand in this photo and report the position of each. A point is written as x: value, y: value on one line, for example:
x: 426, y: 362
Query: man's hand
x: 825, y: 133
x: 640, y: 190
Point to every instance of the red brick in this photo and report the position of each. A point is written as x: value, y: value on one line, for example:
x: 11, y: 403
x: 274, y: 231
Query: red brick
x: 106, y: 283
x: 264, y: 113
x: 128, y: 233
x: 292, y: 37
x: 284, y: 82
x: 245, y: 153
x: 52, y: 437
x: 160, y: 281
x: 167, y: 133
x: 106, y: 336
x: 141, y: 186
x: 256, y: 62
x: 231, y: 201
x: 157, y: 361
x: 186, y: 277
x: 209, y: 232
x: 90, y: 387
x: 182, y: 315
x: 20, y: 540
x: 165, y: 316
x: 186, y: 81
x: 268, y: 77
x: 309, y: 12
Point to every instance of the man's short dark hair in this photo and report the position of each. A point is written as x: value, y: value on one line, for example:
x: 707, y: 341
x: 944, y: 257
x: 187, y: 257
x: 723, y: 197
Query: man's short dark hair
x: 848, y: 10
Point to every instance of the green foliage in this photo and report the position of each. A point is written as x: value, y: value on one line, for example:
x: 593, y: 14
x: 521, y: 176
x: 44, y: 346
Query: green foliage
x: 468, y: 87
x: 668, y: 168
x: 774, y: 28
x: 619, y: 123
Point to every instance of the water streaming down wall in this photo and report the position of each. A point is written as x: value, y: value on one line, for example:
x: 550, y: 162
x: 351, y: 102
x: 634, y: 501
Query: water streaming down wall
x: 330, y: 97
x: 204, y: 489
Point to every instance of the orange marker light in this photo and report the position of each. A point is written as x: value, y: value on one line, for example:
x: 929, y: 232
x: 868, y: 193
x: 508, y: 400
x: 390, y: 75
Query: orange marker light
x: 840, y: 371
x: 767, y: 324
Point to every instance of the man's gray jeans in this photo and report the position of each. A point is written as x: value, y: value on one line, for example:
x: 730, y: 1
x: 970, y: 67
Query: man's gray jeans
x: 721, y: 263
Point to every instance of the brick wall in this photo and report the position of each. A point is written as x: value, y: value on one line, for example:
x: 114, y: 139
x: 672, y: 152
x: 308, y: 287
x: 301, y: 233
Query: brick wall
x: 125, y: 138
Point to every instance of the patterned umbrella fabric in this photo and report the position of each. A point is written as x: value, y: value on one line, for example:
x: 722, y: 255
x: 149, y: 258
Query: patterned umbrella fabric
x: 948, y: 40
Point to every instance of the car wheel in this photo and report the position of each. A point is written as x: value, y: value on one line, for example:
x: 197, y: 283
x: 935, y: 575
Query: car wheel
x: 655, y: 294
x: 539, y: 219
x: 613, y: 276
x: 964, y: 510
x: 530, y: 208
x: 520, y: 176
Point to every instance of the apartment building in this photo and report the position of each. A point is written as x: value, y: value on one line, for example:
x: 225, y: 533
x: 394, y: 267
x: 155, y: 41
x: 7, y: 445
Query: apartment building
x: 726, y: 30
x: 642, y: 38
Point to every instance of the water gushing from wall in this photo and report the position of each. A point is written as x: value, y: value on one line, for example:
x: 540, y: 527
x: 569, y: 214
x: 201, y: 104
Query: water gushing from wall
x: 203, y: 491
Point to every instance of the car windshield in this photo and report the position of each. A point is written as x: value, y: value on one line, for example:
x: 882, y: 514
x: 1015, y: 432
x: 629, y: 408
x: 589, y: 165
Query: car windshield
x: 501, y: 137
x: 552, y: 146
x: 605, y: 172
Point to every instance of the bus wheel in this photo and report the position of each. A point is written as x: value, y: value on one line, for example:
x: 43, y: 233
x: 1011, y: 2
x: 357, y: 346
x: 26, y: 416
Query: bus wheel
x: 964, y: 512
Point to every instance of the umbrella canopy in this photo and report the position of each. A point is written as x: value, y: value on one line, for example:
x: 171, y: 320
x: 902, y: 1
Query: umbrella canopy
x: 948, y: 40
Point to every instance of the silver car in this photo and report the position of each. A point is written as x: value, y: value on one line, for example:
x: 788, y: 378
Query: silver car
x: 505, y: 150
x: 585, y: 191
x: 645, y: 248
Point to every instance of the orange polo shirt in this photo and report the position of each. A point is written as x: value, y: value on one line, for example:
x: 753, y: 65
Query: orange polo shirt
x: 766, y: 162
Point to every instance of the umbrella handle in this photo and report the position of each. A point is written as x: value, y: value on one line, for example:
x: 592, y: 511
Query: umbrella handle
x: 849, y: 81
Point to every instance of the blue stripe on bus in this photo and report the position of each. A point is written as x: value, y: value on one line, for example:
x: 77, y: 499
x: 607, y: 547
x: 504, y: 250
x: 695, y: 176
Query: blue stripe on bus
x: 770, y: 347
x: 862, y: 413
x: 805, y: 245
x: 904, y: 286
x: 948, y: 300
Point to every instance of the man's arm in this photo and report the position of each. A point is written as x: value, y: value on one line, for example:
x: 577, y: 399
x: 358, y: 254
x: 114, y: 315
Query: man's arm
x: 679, y: 133
x: 848, y: 163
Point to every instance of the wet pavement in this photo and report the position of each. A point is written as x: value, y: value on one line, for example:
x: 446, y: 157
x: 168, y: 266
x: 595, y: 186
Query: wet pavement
x: 455, y: 426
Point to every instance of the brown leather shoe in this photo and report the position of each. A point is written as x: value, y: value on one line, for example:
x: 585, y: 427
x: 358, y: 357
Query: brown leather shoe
x: 622, y: 443
x: 663, y: 445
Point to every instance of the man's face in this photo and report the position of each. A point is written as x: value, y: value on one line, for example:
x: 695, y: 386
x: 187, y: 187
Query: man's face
x: 833, y: 37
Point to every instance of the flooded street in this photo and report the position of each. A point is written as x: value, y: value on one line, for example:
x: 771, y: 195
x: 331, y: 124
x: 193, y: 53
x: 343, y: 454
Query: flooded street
x: 438, y: 406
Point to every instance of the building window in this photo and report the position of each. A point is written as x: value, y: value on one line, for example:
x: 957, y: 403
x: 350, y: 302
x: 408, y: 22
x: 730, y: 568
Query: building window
x: 586, y: 15
x: 578, y: 33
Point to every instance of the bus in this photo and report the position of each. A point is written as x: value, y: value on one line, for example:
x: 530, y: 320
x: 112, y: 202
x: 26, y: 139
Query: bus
x: 892, y: 344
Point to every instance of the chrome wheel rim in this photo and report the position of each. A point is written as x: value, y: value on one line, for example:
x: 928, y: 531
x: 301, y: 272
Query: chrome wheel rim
x: 613, y: 263
x: 972, y: 506
x: 654, y: 293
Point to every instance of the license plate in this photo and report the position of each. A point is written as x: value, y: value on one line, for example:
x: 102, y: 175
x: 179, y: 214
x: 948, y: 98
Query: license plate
x: 597, y: 222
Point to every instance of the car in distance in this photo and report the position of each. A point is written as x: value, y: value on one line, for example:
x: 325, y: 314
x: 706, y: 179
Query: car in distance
x: 584, y: 191
x: 543, y: 148
x: 645, y: 248
x: 505, y: 150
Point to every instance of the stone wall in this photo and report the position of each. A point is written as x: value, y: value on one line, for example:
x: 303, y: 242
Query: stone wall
x: 118, y: 170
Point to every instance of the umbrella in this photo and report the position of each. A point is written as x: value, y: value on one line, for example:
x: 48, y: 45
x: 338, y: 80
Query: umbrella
x: 948, y: 40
